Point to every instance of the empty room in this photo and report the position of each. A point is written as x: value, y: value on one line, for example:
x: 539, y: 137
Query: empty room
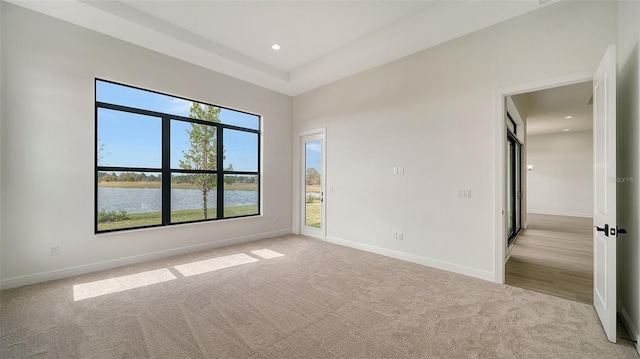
x: 305, y: 179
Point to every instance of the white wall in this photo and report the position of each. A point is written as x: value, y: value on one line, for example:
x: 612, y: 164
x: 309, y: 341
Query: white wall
x: 432, y: 112
x: 47, y: 145
x: 1, y: 115
x: 629, y: 166
x: 561, y: 181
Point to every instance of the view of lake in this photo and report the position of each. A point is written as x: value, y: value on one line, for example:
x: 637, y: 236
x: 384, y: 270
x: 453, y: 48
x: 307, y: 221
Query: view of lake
x: 141, y: 200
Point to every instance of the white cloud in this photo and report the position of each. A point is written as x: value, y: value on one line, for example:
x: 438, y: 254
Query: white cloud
x: 178, y: 106
x: 314, y: 146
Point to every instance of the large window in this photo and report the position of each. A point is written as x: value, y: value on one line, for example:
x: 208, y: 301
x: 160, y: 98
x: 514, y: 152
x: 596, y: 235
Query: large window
x: 514, y: 181
x: 164, y: 160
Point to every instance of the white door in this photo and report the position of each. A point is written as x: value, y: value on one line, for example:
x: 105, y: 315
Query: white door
x: 604, y: 185
x: 312, y: 221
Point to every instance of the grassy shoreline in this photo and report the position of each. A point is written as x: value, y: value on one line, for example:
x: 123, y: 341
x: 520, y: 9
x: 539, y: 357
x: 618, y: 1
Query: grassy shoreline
x: 151, y: 218
x: 147, y: 184
x: 313, y: 188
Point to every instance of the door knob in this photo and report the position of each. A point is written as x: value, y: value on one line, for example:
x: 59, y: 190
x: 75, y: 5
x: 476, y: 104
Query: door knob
x: 604, y: 229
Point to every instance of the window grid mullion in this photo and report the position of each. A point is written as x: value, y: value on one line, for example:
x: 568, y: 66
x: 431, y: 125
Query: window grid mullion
x: 149, y: 113
x: 166, y: 170
x: 220, y: 168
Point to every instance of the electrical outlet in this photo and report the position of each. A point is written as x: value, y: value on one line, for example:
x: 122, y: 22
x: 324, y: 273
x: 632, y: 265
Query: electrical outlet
x: 395, y: 170
x: 401, y: 170
x: 55, y: 250
x: 464, y: 193
x: 400, y: 236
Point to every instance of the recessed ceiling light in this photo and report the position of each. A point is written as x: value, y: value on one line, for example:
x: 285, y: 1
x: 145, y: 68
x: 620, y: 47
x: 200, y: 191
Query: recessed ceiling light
x: 566, y: 130
x: 276, y: 47
x: 568, y: 117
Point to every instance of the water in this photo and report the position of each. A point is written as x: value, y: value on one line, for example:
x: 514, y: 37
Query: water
x: 142, y: 200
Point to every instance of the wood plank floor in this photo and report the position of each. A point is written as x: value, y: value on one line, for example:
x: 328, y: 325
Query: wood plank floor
x: 554, y: 255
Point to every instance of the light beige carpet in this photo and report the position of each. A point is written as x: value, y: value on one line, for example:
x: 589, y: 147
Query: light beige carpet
x: 293, y: 297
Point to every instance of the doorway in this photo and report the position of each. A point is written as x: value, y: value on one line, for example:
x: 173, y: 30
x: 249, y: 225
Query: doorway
x: 554, y: 254
x: 313, y: 168
x: 604, y: 190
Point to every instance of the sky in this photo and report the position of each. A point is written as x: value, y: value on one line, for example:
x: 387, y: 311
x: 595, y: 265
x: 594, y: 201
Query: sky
x: 132, y: 140
x: 313, y: 155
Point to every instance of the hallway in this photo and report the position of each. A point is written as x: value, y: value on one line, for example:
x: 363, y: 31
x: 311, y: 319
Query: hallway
x: 554, y: 255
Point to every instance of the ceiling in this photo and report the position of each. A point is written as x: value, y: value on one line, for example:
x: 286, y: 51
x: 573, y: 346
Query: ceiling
x: 322, y: 41
x: 547, y: 109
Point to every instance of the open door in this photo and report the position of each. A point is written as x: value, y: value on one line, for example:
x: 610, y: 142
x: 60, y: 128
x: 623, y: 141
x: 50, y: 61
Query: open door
x: 312, y: 221
x: 604, y: 186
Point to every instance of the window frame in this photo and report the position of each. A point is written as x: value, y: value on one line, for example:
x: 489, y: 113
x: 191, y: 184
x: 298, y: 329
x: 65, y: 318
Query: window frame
x: 515, y: 192
x: 165, y: 170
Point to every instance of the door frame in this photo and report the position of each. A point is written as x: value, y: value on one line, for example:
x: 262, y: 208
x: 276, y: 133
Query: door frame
x: 500, y: 160
x: 298, y: 161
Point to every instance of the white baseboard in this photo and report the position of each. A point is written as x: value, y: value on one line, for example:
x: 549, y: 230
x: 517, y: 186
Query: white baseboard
x: 583, y: 215
x: 632, y: 328
x: 434, y: 263
x: 94, y: 267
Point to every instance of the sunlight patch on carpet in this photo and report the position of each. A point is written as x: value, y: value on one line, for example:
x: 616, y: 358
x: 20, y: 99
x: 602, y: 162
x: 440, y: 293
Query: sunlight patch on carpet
x: 120, y: 284
x: 214, y: 264
x: 267, y: 253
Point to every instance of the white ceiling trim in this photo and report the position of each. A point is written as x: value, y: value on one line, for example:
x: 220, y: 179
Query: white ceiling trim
x: 93, y: 18
x: 138, y: 17
x: 437, y: 23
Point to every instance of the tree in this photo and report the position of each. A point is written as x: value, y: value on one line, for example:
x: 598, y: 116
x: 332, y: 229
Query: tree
x: 229, y: 180
x: 101, y: 153
x: 313, y: 177
x: 201, y: 154
x: 127, y: 177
